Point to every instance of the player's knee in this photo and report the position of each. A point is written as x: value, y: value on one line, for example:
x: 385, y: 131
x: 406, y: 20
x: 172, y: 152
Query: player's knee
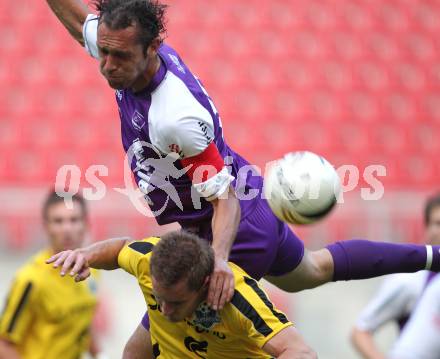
x: 322, y: 264
x: 316, y: 268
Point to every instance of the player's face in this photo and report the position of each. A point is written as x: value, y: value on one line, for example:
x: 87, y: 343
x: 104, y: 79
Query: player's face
x: 66, y: 228
x: 433, y: 229
x: 124, y: 61
x: 178, y: 302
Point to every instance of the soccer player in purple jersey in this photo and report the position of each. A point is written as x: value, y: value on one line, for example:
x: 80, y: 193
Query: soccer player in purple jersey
x: 164, y: 110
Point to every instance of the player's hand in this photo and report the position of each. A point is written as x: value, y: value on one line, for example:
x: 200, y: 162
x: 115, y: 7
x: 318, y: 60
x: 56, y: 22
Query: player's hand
x: 75, y: 261
x: 221, y: 285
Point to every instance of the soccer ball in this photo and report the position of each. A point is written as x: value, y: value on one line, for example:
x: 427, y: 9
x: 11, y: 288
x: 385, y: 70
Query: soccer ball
x: 302, y: 187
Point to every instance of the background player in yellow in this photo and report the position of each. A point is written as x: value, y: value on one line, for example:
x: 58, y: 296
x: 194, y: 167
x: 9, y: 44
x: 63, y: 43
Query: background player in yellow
x: 173, y: 274
x: 47, y: 316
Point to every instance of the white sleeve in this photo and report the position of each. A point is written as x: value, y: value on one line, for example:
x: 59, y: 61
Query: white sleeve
x: 420, y: 338
x: 177, y: 122
x: 90, y: 35
x: 188, y: 136
x: 390, y: 303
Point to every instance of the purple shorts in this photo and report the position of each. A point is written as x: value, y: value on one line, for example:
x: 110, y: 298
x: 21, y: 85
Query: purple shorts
x: 264, y: 245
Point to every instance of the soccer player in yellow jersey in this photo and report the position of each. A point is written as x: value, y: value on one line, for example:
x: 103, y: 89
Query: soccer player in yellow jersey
x: 173, y: 273
x: 46, y: 316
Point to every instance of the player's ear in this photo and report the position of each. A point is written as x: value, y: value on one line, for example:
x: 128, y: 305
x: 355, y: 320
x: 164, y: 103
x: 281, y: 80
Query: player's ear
x: 154, y: 47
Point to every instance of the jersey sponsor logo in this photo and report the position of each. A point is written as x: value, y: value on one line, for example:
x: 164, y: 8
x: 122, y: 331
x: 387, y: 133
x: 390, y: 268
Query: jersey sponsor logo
x: 137, y: 120
x: 205, y: 317
x: 194, y: 346
x: 201, y: 330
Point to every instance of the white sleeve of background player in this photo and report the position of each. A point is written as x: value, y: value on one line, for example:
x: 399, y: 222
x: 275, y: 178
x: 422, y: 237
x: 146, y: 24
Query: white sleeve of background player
x: 390, y: 303
x: 420, y: 338
x: 90, y: 35
x: 191, y: 138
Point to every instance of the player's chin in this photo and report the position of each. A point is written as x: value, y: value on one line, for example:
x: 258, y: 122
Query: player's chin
x: 116, y: 85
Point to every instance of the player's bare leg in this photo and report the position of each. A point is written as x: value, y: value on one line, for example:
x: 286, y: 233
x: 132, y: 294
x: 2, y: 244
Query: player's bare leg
x: 315, y: 269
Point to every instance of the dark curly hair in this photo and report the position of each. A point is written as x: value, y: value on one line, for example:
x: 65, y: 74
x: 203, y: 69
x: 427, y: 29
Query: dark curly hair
x: 149, y: 15
x: 181, y: 255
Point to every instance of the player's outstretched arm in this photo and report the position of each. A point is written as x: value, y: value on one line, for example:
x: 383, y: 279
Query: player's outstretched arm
x: 225, y: 222
x: 101, y: 255
x: 139, y: 345
x: 288, y: 344
x: 72, y: 14
x: 388, y: 305
x: 364, y: 343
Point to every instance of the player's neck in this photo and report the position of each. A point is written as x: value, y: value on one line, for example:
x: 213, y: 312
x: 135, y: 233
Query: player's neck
x: 146, y: 78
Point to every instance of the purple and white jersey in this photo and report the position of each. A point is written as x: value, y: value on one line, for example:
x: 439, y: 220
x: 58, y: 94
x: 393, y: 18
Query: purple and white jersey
x: 395, y: 301
x: 420, y: 338
x: 171, y: 120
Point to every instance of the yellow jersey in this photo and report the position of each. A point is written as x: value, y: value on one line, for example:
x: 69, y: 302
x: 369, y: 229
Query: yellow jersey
x: 48, y: 316
x: 238, y: 331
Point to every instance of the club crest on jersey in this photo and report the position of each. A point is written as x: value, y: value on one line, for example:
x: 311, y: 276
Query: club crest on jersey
x: 205, y: 317
x: 137, y: 120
